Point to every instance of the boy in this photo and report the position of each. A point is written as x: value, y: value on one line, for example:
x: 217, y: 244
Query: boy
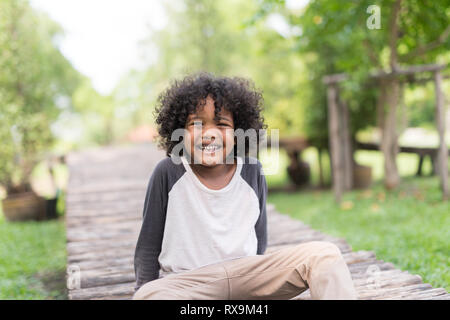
x: 205, y: 210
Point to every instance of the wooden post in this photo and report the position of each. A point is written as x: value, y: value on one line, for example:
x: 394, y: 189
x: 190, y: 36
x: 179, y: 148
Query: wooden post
x: 321, y: 178
x: 345, y: 137
x: 442, y: 158
x: 335, y: 150
x: 419, y: 167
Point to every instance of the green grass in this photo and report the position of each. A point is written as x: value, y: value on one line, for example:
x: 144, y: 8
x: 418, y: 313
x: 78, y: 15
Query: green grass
x: 33, y: 254
x: 32, y: 259
x: 409, y: 227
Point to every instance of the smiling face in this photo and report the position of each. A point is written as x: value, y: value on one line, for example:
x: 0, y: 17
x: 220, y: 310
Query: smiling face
x: 209, y: 140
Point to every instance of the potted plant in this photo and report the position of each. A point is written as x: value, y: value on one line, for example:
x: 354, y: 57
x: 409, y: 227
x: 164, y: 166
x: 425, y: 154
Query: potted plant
x: 17, y: 160
x: 36, y: 86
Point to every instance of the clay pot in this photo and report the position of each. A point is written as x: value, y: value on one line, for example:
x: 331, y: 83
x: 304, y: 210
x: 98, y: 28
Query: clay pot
x: 299, y: 173
x: 28, y: 206
x: 362, y: 176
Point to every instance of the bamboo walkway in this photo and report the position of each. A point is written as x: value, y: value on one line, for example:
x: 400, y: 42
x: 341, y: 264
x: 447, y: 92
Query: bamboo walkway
x: 105, y: 198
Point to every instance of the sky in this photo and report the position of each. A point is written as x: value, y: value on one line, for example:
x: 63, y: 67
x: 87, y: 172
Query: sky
x: 101, y: 36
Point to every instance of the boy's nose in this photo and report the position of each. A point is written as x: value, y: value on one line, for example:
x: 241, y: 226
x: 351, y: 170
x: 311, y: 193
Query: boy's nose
x: 208, y: 139
x: 210, y: 134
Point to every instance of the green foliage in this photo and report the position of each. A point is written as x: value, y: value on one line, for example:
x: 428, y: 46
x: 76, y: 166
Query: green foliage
x: 334, y: 38
x: 281, y: 74
x: 421, y: 105
x: 212, y: 36
x: 34, y: 80
x: 97, y: 112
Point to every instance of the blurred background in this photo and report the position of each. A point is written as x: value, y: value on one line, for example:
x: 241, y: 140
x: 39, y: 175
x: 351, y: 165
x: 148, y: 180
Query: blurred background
x: 82, y: 74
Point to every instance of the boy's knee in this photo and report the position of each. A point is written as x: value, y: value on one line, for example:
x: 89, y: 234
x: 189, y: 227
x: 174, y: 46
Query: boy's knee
x: 322, y: 249
x: 149, y: 291
x: 159, y: 290
x: 329, y: 248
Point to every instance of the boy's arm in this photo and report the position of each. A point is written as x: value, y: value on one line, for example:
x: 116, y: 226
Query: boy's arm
x: 148, y: 247
x: 261, y: 224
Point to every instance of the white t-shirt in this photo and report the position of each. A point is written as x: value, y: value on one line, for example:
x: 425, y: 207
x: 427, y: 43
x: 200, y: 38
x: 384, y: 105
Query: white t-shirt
x: 187, y: 225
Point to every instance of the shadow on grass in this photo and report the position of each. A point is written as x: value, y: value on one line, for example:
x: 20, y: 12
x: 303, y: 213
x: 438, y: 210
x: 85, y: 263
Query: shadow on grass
x: 54, y: 284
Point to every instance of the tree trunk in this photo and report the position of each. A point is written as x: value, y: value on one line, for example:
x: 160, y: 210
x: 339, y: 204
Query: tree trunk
x: 389, y: 144
x: 442, y: 155
x: 321, y: 178
x: 337, y: 169
x: 389, y: 105
x: 347, y: 152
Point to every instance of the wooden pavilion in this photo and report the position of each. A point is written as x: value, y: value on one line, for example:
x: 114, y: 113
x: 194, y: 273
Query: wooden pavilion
x: 341, y: 149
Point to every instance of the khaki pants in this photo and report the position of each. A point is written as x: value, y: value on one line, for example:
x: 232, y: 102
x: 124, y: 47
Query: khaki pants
x: 283, y: 274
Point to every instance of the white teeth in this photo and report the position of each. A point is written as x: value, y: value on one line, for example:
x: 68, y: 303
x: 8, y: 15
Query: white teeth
x: 210, y: 148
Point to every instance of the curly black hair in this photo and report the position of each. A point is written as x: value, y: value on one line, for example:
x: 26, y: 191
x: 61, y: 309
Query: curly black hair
x: 183, y: 97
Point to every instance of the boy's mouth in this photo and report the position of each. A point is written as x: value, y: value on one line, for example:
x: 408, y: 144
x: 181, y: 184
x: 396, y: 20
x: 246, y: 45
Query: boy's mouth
x: 209, y: 147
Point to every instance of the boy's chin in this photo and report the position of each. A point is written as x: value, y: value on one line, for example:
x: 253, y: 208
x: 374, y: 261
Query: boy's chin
x: 212, y: 160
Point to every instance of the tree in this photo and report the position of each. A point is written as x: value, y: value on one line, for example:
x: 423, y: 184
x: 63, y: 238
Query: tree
x: 97, y: 112
x: 217, y: 36
x: 34, y: 80
x: 337, y: 34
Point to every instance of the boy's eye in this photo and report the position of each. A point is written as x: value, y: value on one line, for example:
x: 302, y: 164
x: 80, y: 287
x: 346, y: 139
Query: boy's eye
x: 221, y: 124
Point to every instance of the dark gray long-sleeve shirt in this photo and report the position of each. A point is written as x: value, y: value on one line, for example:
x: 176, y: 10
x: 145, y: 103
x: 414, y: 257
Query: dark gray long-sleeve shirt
x: 187, y: 225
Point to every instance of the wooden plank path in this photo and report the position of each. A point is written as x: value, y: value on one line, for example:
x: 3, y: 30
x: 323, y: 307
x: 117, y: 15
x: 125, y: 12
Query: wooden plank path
x: 105, y: 198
